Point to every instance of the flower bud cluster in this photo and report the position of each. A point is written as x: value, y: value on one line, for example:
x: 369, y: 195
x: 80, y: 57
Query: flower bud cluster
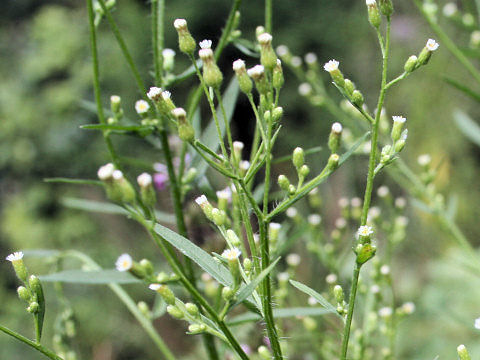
x: 345, y: 85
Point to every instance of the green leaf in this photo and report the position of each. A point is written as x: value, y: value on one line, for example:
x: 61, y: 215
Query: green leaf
x: 310, y: 151
x: 279, y: 313
x: 467, y: 126
x: 246, y: 291
x: 196, y: 254
x: 210, y: 136
x: 109, y: 208
x: 460, y: 86
x: 452, y: 207
x: 95, y: 277
x: 41, y: 253
x: 247, y: 47
x: 321, y: 300
x: 73, y: 181
x: 116, y: 127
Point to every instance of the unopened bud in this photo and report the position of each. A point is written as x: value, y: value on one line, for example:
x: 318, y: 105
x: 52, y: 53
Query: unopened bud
x: 186, y: 42
x: 175, y: 312
x: 298, y: 157
x: 410, y: 64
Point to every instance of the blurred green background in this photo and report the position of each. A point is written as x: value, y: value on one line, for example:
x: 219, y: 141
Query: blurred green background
x: 45, y: 73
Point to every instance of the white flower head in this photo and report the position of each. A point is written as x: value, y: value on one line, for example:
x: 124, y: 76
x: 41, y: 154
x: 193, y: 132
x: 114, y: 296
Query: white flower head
x: 370, y: 2
x: 124, y: 262
x: 364, y: 230
x: 385, y: 270
x: 461, y: 348
x: 16, y: 256
x: 265, y: 39
x: 282, y: 50
x: 343, y: 202
x: 400, y: 202
x: 432, y: 45
x: 201, y: 200
x: 168, y: 53
x: 144, y: 180
x: 106, y: 171
x: 155, y: 287
x: 232, y: 254
x: 314, y: 219
x: 166, y: 95
x: 117, y: 175
x: 283, y: 276
x: 238, y: 146
x: 292, y: 212
x: 225, y: 194
x: 206, y: 44
x: 375, y: 289
x: 180, y: 24
x: 296, y: 61
x: 331, y: 279
x: 115, y: 99
x: 256, y: 72
x: 244, y: 165
x: 239, y: 65
x: 399, y: 119
x: 340, y: 223
x: 337, y: 127
x: 205, y: 54
x: 408, y: 308
x: 293, y: 259
x: 311, y: 58
x: 424, y: 160
x: 154, y: 93
x: 450, y: 9
x: 383, y: 191
x: 477, y: 323
x: 356, y: 202
x: 141, y: 107
x: 305, y: 89
x: 332, y: 65
x: 385, y: 312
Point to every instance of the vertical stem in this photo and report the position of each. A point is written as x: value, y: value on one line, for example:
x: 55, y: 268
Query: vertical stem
x: 157, y: 10
x: 369, y: 186
x: 268, y: 16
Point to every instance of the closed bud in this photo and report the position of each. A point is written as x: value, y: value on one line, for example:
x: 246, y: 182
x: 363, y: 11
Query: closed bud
x: 247, y: 265
x: 273, y: 231
x: 338, y: 293
x: 147, y: 266
x: 143, y: 307
x: 357, y: 98
x: 233, y: 238
x: 386, y: 7
x: 334, y: 138
x: 186, y: 42
x: 33, y: 307
x: 292, y: 189
x: 185, y: 129
x: 207, y: 208
x: 168, y: 59
x: 196, y: 329
x: 192, y: 309
x: 277, y: 114
x: 219, y: 217
x: 349, y: 87
x: 283, y: 182
x: 122, y: 188
x: 373, y: 13
x: 304, y: 171
x: 115, y: 104
x: 243, y: 79
x: 212, y: 75
x: 410, y: 64
x: 257, y: 73
x: 23, y: 293
x: 333, y: 161
x: 166, y: 294
x: 268, y: 58
x: 332, y: 68
x: 463, y: 353
x: 147, y: 192
x: 298, y: 157
x: 398, y: 123
x: 365, y: 252
x: 278, y: 79
x: 228, y: 293
x: 175, y: 312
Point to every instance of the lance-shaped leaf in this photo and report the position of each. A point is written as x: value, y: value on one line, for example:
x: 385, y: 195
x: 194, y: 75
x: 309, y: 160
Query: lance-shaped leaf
x: 96, y: 277
x: 321, y: 300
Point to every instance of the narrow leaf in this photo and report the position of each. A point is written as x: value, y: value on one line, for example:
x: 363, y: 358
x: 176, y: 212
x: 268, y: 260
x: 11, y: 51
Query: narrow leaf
x: 73, y: 181
x: 96, y: 277
x: 321, y: 300
x: 116, y: 127
x: 460, y: 86
x: 246, y: 291
x: 467, y: 126
x: 196, y: 254
x: 310, y: 151
x: 279, y: 313
x: 41, y: 253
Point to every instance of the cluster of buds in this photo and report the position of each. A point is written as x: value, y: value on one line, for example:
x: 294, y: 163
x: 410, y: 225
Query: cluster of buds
x: 116, y: 108
x: 399, y: 138
x: 365, y: 249
x: 65, y: 331
x: 162, y: 100
x: 142, y: 270
x: 212, y: 75
x: 215, y: 215
x: 414, y: 62
x: 31, y: 291
x: 342, y: 307
x: 345, y: 85
x: 118, y: 188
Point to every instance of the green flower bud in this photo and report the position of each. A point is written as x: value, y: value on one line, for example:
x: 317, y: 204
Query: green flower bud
x: 338, y: 293
x: 190, y: 175
x: 143, y: 307
x: 212, y: 75
x: 398, y: 123
x: 298, y: 157
x: 277, y: 114
x: 386, y: 7
x: 337, y: 76
x: 273, y: 231
x: 463, y: 353
x: 357, y: 98
x: 33, y: 307
x: 228, y: 293
x: 147, y: 266
x: 24, y: 294
x: 334, y: 138
x: 257, y: 73
x: 304, y: 171
x: 283, y: 182
x: 278, y: 80
x: 196, y: 329
x: 168, y: 59
x: 292, y: 189
x: 268, y: 58
x: 123, y: 190
x: 175, y: 312
x: 247, y: 265
x: 205, y: 205
x: 426, y: 52
x: 233, y: 238
x: 410, y: 64
x: 365, y: 252
x: 185, y: 129
x: 18, y: 265
x: 219, y: 217
x: 147, y: 192
x: 232, y: 256
x: 166, y: 294
x: 333, y: 162
x: 259, y: 30
x: 115, y: 104
x: 349, y: 87
x: 373, y: 14
x: 192, y: 309
x: 309, y: 323
x: 186, y: 42
x: 243, y: 79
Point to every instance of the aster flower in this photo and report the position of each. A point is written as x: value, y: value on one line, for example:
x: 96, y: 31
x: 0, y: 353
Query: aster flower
x: 124, y: 263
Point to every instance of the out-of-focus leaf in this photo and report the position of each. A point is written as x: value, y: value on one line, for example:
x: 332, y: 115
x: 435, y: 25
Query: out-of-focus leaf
x: 467, y: 126
x: 321, y: 300
x: 246, y: 47
x: 452, y: 207
x: 280, y: 313
x: 73, y: 181
x: 96, y: 277
x: 461, y: 86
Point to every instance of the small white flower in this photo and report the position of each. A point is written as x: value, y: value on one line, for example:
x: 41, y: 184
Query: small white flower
x: 275, y: 226
x: 201, y: 200
x: 154, y: 287
x: 424, y: 160
x: 238, y: 146
x: 364, y: 230
x: 144, y: 180
x: 312, y: 301
x: 432, y: 45
x: 154, y: 93
x: 385, y: 312
x: 206, y: 44
x: 141, y: 107
x: 385, y: 270
x: 225, y: 194
x: 461, y: 348
x: 256, y: 71
x: 383, y: 191
x: 311, y: 58
x: 292, y: 212
x: 283, y: 276
x: 305, y: 89
x: 17, y: 255
x: 477, y: 323
x: 238, y: 65
x: 282, y: 50
x: 331, y: 279
x: 124, y: 262
x: 180, y: 24
x: 400, y: 202
x: 117, y: 175
x: 296, y: 61
x: 340, y: 223
x: 356, y: 202
x: 105, y: 172
x: 232, y: 254
x: 265, y: 39
x: 244, y: 165
x: 168, y: 53
x: 332, y: 65
x: 408, y: 308
x: 166, y: 95
x: 399, y: 119
x: 205, y: 54
x: 293, y: 259
x: 314, y: 219
x: 450, y: 9
x: 370, y: 2
x: 343, y: 202
x: 115, y: 99
x: 337, y: 128
x: 375, y: 289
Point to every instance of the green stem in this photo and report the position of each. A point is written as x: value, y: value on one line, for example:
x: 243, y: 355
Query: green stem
x: 158, y: 11
x: 225, y: 120
x: 37, y: 346
x: 351, y: 306
x: 268, y: 16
